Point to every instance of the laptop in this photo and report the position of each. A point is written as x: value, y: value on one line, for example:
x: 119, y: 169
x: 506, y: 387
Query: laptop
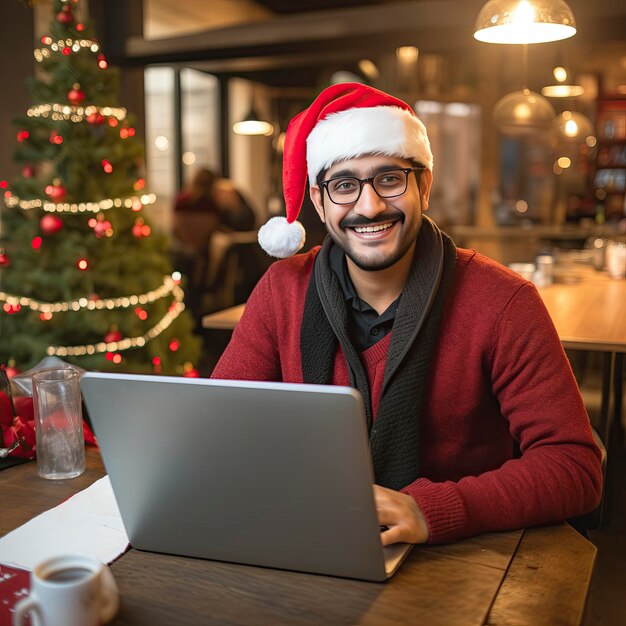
x: 269, y: 474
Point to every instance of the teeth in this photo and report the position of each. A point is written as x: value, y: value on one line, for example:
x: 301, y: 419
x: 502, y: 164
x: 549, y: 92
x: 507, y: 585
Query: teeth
x: 373, y: 229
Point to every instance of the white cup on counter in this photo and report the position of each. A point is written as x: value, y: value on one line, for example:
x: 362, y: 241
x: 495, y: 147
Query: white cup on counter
x: 545, y: 269
x: 525, y: 270
x: 616, y: 259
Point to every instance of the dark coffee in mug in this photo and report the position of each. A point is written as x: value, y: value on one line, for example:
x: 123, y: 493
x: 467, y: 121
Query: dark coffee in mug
x: 68, y: 575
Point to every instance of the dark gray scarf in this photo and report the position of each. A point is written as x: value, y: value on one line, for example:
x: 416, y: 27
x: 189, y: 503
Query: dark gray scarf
x: 394, y: 437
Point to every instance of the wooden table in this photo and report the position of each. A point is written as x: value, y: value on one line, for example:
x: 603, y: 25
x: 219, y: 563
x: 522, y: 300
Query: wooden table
x: 534, y: 577
x: 226, y: 319
x: 590, y: 314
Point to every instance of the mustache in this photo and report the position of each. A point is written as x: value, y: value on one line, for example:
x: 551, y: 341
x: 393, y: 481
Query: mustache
x: 354, y: 221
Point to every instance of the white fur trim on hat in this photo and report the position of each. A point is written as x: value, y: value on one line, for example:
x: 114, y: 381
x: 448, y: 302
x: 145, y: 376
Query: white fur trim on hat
x: 386, y: 130
x: 281, y: 239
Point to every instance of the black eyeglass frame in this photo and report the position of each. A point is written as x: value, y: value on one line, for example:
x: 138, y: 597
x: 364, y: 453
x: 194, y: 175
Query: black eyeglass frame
x: 370, y: 180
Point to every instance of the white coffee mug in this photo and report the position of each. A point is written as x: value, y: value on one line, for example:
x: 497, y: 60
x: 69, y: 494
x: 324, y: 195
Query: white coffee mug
x: 72, y: 590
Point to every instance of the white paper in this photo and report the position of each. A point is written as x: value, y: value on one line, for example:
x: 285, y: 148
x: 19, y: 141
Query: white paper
x: 88, y: 523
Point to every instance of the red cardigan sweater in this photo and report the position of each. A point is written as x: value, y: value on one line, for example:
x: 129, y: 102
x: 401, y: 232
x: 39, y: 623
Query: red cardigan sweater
x: 499, y: 374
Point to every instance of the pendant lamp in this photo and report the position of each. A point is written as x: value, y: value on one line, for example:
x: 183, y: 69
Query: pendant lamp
x: 524, y: 21
x: 573, y: 126
x: 252, y: 124
x: 563, y: 88
x: 522, y: 112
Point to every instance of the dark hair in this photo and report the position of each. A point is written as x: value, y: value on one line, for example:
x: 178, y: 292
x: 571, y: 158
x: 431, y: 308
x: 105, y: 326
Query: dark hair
x: 202, y: 183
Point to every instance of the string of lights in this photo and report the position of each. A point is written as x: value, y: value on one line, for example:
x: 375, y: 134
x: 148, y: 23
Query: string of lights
x: 178, y: 306
x: 73, y: 113
x: 168, y: 286
x: 65, y: 46
x: 131, y: 202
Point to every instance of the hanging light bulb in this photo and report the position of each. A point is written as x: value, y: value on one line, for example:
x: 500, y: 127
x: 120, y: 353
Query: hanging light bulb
x: 523, y: 112
x: 252, y: 124
x: 524, y: 21
x: 572, y: 126
x: 562, y: 89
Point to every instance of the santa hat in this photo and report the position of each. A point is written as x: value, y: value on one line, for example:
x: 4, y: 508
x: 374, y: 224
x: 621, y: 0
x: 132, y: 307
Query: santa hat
x: 345, y: 121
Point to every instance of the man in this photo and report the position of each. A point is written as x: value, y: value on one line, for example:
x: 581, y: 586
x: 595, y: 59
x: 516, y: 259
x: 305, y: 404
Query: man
x: 456, y: 357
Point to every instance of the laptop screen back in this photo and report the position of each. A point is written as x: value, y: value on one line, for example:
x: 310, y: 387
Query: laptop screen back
x: 268, y: 474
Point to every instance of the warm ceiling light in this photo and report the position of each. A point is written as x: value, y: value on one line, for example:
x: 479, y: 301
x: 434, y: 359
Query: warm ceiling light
x: 252, y: 124
x: 572, y: 126
x: 562, y: 90
x: 523, y: 112
x: 407, y: 54
x: 368, y: 69
x: 524, y: 21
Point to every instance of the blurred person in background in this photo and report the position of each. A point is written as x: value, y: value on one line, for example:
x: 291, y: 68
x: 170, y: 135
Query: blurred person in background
x: 207, y: 205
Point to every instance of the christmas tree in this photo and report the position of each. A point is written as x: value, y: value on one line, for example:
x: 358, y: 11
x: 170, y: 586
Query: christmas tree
x: 83, y: 276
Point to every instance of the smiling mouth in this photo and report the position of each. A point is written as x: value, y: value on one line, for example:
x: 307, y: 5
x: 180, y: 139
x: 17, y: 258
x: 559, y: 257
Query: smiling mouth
x: 376, y: 228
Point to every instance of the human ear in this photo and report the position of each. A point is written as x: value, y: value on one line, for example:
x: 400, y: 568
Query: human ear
x: 317, y: 198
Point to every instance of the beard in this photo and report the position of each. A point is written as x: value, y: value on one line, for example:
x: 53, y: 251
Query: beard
x: 367, y: 257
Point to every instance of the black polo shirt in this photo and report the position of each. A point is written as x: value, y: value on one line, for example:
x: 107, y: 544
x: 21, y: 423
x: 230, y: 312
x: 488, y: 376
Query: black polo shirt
x: 365, y: 326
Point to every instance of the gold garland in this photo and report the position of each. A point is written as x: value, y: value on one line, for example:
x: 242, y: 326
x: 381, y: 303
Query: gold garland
x: 130, y: 202
x: 54, y: 46
x: 129, y: 342
x: 168, y: 286
x: 74, y: 113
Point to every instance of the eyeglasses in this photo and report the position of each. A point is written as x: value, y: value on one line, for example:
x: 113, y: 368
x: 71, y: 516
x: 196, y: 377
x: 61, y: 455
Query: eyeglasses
x: 387, y: 184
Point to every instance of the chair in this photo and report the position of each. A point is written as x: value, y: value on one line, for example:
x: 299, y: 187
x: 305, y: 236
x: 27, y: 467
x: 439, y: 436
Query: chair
x: 227, y: 269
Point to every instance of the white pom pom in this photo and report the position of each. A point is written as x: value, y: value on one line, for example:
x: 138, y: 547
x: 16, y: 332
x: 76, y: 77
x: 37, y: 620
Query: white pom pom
x: 281, y: 239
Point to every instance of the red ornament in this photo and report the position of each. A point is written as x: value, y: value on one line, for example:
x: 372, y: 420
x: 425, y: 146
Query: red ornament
x: 11, y: 369
x: 140, y: 229
x: 113, y: 335
x: 192, y: 373
x: 22, y: 135
x: 28, y: 171
x: 56, y: 191
x: 95, y: 118
x: 5, y: 260
x: 55, y: 137
x: 142, y: 314
x: 102, y: 62
x: 65, y: 16
x: 76, y: 95
x: 103, y: 229
x: 50, y: 224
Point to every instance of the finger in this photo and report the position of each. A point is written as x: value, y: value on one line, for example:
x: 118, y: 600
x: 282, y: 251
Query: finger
x: 386, y: 519
x: 395, y: 534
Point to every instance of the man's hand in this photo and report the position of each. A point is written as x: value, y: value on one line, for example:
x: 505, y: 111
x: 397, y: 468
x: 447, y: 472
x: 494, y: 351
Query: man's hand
x: 401, y: 515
